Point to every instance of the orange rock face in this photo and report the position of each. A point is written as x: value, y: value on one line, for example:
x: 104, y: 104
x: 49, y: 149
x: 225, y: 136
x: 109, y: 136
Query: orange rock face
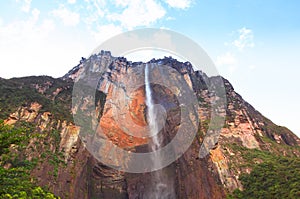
x: 137, y: 107
x: 27, y: 114
x: 115, y: 124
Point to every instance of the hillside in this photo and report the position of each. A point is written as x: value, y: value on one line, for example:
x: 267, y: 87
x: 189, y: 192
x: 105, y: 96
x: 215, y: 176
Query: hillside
x: 249, y: 157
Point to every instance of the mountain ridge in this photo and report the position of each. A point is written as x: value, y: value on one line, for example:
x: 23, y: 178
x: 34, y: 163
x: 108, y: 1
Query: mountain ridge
x: 247, y: 140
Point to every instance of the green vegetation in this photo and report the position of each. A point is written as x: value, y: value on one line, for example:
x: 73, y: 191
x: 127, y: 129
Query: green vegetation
x: 15, y: 181
x: 21, y: 92
x: 56, y: 160
x: 13, y: 138
x: 275, y: 177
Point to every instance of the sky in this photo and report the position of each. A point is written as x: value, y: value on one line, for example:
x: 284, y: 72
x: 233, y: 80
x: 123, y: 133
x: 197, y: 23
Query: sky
x: 254, y: 44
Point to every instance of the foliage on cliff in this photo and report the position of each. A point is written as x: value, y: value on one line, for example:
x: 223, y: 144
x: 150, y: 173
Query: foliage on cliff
x: 19, y: 92
x: 272, y: 176
x: 15, y: 181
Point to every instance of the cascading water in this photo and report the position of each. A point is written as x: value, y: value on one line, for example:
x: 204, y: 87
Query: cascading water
x: 161, y: 187
x: 151, y: 117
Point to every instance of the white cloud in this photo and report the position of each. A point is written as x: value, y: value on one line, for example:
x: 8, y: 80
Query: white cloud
x: 33, y: 41
x: 71, y: 1
x: 94, y: 12
x: 128, y: 14
x: 148, y: 54
x: 105, y: 32
x: 245, y: 39
x: 138, y: 13
x: 228, y: 60
x: 181, y: 4
x: 252, y: 67
x: 26, y: 5
x: 24, y: 30
x: 122, y: 3
x: 35, y: 14
x: 22, y: 43
x: 170, y: 18
x: 100, y: 7
x: 142, y: 55
x: 68, y: 17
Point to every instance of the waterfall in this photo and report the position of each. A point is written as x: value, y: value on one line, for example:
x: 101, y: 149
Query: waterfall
x: 151, y: 115
x: 161, y: 187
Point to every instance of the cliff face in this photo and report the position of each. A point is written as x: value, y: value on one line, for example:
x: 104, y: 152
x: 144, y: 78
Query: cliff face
x: 69, y: 170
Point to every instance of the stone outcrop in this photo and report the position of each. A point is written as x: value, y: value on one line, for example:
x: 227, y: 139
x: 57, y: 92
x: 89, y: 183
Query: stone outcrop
x: 68, y: 169
x: 243, y: 125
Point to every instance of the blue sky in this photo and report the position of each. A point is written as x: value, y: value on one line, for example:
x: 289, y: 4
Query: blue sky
x: 255, y: 44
